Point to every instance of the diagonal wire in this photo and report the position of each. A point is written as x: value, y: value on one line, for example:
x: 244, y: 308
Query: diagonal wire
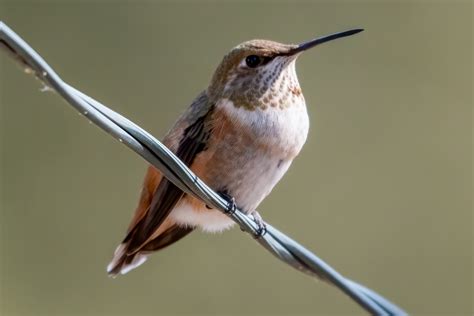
x: 153, y: 151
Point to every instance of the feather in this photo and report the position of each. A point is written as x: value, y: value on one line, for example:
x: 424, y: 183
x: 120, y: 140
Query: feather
x: 151, y: 229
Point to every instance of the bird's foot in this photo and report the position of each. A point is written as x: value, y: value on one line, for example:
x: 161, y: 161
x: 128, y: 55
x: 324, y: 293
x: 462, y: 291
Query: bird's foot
x: 231, y: 206
x: 262, y: 228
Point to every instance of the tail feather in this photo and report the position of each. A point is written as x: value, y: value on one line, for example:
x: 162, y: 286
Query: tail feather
x: 123, y: 263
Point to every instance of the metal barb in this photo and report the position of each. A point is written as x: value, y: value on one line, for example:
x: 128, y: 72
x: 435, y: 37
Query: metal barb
x: 154, y: 152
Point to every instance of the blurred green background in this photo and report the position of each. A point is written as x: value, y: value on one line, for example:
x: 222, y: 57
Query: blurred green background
x: 382, y: 190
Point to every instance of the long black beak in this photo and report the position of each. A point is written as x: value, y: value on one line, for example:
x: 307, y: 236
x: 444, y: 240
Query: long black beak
x: 310, y: 44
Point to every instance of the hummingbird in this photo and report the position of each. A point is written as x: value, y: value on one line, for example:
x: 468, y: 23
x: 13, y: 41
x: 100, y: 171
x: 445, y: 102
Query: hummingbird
x: 240, y: 136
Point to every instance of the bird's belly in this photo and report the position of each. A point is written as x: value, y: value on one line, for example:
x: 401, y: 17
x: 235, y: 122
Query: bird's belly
x: 249, y: 178
x: 246, y: 157
x: 247, y: 181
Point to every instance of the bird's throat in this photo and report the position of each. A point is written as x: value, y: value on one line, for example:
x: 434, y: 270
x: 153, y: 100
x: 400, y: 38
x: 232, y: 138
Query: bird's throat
x: 277, y: 88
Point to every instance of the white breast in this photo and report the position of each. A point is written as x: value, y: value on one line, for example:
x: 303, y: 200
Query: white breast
x: 285, y: 129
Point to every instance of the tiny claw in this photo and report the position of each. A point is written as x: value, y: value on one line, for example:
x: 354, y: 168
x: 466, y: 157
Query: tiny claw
x: 231, y: 206
x: 262, y: 228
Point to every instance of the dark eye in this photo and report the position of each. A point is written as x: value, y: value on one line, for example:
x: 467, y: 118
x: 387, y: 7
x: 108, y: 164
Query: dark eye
x: 252, y: 61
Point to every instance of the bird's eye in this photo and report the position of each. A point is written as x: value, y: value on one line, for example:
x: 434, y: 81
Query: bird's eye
x: 252, y: 61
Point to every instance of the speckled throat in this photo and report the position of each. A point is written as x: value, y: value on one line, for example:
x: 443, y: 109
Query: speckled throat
x: 267, y: 87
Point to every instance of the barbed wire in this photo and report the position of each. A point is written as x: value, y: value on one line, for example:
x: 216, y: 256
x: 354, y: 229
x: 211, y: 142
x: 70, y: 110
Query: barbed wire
x: 153, y: 151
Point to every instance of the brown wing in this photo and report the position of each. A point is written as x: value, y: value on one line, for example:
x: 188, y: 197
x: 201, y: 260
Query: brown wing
x: 166, y: 195
x: 151, y: 229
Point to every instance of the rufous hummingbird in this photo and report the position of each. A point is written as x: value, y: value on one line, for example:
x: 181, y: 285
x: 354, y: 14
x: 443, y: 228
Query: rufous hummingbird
x: 239, y: 136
